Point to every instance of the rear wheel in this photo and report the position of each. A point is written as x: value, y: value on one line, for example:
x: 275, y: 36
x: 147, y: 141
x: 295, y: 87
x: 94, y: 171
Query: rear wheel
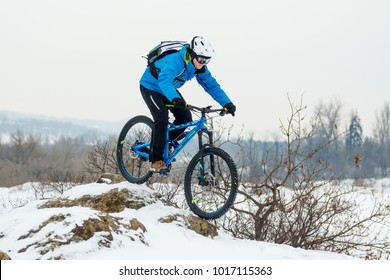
x: 133, y: 167
x: 211, y: 183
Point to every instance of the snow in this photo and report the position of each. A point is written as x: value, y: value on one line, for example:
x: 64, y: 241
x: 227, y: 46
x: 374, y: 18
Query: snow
x: 25, y: 234
x: 164, y: 240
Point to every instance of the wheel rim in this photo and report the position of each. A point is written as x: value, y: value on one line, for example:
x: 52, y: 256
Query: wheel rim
x: 210, y: 193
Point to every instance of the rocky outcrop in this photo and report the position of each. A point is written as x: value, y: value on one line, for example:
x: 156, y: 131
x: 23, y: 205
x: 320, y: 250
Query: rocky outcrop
x: 194, y: 223
x: 96, y: 222
x: 113, y: 201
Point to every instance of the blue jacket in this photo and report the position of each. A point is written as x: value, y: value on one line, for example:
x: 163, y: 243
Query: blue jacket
x: 173, y: 74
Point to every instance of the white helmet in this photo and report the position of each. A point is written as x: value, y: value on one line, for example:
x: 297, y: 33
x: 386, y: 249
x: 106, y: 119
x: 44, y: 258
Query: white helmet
x: 201, y: 47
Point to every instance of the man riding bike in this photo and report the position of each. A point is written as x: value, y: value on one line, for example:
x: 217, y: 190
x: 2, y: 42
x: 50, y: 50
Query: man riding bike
x: 159, y: 85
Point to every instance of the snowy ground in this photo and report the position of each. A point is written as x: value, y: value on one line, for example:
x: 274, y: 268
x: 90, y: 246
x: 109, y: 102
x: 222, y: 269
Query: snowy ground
x: 26, y: 235
x: 164, y: 240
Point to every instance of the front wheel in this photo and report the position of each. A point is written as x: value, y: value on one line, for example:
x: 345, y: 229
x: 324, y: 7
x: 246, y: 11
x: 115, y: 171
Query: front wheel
x: 134, y: 141
x: 211, y: 183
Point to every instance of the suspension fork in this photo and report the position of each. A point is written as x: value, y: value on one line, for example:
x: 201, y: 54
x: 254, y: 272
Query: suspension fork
x: 202, y: 148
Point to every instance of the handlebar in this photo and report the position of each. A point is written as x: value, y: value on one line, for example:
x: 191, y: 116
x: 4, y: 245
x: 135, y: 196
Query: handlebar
x: 206, y: 110
x: 203, y: 110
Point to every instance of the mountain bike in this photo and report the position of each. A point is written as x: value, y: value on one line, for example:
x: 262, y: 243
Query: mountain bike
x: 211, y: 177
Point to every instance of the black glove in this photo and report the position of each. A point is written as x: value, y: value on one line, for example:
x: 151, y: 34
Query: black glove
x: 179, y: 102
x: 230, y: 108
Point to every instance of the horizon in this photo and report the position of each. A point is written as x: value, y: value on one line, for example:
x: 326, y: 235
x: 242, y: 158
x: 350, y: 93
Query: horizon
x: 238, y: 129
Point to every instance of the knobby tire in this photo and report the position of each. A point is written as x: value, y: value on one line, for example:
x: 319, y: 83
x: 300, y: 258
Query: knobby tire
x: 133, y: 167
x: 202, y: 198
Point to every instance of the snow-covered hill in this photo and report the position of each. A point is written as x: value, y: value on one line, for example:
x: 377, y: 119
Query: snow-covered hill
x: 122, y: 221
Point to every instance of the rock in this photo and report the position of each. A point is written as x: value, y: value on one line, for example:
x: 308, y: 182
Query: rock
x: 4, y: 256
x: 135, y: 225
x: 168, y: 219
x: 88, y: 229
x: 110, y: 178
x: 194, y: 223
x: 201, y: 226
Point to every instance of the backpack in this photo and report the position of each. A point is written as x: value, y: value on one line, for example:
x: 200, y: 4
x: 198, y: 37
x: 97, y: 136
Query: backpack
x: 161, y: 50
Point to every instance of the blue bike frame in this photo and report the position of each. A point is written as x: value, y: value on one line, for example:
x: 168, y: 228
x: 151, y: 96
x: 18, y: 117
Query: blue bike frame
x: 199, y: 127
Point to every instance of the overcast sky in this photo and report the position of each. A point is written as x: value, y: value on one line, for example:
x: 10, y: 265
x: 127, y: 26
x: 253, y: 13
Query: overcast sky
x: 82, y: 58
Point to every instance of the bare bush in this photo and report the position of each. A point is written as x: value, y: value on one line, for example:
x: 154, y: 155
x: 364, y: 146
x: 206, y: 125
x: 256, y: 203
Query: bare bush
x: 171, y: 188
x: 101, y: 158
x: 58, y: 181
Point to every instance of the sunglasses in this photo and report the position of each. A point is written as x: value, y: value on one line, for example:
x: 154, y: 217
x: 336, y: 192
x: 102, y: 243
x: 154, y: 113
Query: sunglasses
x: 203, y: 60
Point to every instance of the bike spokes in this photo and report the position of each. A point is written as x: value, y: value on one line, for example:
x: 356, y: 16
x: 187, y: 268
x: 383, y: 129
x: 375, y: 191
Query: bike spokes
x: 133, y: 149
x: 211, y: 183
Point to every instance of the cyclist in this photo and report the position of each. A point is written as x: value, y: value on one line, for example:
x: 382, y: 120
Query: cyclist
x: 159, y: 85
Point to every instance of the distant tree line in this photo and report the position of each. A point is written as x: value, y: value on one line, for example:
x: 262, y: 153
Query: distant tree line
x: 350, y: 154
x: 28, y: 157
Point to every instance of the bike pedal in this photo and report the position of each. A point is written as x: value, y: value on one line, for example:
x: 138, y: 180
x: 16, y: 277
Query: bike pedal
x: 162, y: 171
x: 163, y: 174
